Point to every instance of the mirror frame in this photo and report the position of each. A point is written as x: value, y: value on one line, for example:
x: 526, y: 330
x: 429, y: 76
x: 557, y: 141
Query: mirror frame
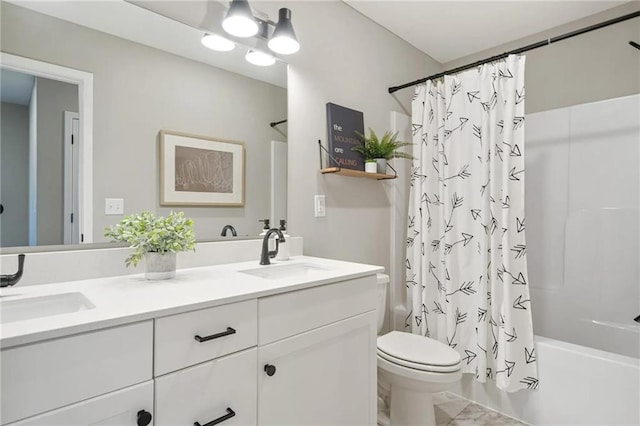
x: 84, y: 81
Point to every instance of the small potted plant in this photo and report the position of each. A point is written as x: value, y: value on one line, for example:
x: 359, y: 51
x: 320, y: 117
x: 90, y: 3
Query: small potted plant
x: 157, y: 239
x: 378, y: 151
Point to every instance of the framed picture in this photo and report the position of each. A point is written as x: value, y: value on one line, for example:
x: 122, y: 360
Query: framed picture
x: 200, y: 171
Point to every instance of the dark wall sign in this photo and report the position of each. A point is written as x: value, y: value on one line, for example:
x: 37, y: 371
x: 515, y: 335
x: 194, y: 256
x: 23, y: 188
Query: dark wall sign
x: 342, y: 125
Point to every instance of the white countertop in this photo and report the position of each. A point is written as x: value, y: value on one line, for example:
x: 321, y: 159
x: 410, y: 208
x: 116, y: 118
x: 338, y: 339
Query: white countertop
x: 131, y: 298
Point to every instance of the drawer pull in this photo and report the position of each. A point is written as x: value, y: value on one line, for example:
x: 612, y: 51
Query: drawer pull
x: 215, y: 336
x: 230, y: 413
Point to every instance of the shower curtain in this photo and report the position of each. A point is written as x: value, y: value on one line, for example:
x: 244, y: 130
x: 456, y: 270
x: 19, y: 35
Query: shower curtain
x: 466, y: 254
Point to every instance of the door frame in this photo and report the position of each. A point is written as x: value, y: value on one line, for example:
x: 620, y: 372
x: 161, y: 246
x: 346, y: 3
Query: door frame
x: 84, y: 81
x: 72, y: 144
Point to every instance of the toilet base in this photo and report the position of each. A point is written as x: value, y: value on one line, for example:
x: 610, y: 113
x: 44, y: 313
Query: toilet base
x: 411, y: 408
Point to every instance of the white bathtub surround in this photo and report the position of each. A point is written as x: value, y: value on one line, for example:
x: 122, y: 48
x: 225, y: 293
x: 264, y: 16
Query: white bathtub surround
x: 583, y: 223
x: 466, y: 251
x: 578, y: 386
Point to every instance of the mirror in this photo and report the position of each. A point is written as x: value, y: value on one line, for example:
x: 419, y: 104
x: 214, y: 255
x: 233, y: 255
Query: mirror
x: 151, y: 73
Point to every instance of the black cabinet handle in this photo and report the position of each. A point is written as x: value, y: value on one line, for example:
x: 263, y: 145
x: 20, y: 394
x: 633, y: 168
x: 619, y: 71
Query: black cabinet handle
x: 270, y: 369
x: 230, y: 413
x: 144, y: 418
x: 214, y: 336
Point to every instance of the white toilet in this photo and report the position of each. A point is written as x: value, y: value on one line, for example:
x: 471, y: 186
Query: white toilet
x: 411, y: 368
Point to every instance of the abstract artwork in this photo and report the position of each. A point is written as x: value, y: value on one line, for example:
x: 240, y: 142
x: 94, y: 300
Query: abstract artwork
x: 200, y: 170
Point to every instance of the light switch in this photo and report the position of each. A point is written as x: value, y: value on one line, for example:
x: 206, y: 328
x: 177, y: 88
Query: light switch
x: 113, y: 206
x: 320, y: 208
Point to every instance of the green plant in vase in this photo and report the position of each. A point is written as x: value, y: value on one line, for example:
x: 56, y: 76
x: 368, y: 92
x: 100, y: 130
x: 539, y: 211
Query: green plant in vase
x: 158, y: 239
x: 379, y: 150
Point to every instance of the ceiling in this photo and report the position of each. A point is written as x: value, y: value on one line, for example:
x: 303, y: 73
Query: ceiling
x: 449, y: 30
x: 146, y: 22
x: 15, y: 87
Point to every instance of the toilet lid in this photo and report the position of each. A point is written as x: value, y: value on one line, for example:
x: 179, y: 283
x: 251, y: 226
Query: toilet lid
x: 415, y: 351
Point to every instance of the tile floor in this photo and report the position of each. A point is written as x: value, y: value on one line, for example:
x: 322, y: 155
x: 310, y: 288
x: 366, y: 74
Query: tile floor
x: 454, y: 411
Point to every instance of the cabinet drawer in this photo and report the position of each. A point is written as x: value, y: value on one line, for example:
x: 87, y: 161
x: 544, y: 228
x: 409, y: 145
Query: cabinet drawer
x: 294, y: 312
x: 222, y: 330
x: 47, y: 375
x: 119, y: 408
x: 205, y: 392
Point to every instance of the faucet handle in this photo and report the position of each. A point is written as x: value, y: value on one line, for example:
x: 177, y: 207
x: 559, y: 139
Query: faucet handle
x: 12, y: 279
x: 274, y: 253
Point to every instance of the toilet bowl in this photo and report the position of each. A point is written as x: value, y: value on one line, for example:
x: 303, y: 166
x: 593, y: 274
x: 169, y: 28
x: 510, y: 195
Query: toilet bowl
x: 411, y: 368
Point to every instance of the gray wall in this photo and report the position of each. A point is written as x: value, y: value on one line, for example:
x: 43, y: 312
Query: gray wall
x: 351, y: 61
x: 54, y: 98
x: 590, y: 67
x: 14, y: 174
x: 139, y: 91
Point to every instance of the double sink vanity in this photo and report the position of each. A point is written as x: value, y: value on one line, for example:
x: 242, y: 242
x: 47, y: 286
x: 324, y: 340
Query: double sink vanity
x: 290, y: 343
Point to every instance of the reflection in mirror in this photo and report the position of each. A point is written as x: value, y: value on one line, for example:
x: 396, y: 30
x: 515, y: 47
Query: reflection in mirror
x: 31, y: 106
x: 46, y: 153
x: 139, y: 90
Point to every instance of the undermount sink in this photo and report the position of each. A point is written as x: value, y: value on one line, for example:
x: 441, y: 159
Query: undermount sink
x: 43, y: 306
x: 278, y: 272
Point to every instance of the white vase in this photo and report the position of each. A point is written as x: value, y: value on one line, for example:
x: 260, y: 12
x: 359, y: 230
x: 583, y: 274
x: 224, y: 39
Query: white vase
x: 370, y: 167
x: 381, y: 165
x: 159, y: 266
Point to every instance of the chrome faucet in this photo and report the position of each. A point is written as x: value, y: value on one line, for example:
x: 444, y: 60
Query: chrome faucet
x: 266, y: 254
x: 228, y: 228
x: 12, y: 279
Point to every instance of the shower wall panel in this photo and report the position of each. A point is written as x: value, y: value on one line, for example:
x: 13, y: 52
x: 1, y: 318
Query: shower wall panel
x: 582, y: 198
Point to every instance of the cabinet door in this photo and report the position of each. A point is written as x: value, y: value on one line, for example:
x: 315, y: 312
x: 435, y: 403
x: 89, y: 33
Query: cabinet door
x: 326, y: 376
x: 118, y: 408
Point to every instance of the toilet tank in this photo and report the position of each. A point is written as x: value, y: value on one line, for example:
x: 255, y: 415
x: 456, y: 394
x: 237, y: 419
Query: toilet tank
x: 383, y: 284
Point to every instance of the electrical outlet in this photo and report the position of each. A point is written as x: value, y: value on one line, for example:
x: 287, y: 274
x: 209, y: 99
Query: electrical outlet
x: 113, y: 206
x: 320, y: 206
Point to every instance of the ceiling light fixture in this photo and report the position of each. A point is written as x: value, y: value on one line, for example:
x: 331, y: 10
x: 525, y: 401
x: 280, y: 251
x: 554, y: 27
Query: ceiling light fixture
x: 216, y: 42
x: 283, y: 40
x: 239, y: 21
x: 257, y: 57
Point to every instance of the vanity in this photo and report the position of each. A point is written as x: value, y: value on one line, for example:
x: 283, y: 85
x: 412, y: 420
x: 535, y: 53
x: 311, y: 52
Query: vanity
x: 291, y: 343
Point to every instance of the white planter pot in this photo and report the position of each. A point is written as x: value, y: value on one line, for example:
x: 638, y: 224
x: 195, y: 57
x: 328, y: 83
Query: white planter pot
x: 382, y: 165
x: 371, y: 167
x: 159, y: 266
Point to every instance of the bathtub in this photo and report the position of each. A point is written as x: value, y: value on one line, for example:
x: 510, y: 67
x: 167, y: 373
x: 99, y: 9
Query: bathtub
x: 578, y: 386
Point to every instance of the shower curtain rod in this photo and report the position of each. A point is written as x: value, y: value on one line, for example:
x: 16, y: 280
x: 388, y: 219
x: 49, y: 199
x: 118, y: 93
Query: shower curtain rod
x: 518, y: 51
x: 275, y: 123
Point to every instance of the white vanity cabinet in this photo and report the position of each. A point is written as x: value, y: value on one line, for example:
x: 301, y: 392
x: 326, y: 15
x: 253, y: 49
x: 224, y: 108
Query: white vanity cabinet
x: 297, y: 357
x: 317, y: 358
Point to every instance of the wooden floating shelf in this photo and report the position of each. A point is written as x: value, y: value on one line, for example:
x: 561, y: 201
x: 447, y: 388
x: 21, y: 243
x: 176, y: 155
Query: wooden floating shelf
x: 356, y: 173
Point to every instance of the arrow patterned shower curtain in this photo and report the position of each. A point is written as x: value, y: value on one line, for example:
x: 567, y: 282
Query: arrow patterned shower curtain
x: 466, y: 253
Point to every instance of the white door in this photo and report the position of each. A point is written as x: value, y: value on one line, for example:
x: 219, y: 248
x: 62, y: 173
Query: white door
x: 326, y: 376
x: 126, y: 407
x: 71, y: 177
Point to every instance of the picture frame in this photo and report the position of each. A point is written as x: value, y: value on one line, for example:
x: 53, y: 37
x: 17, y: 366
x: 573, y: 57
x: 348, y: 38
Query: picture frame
x: 201, y: 170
